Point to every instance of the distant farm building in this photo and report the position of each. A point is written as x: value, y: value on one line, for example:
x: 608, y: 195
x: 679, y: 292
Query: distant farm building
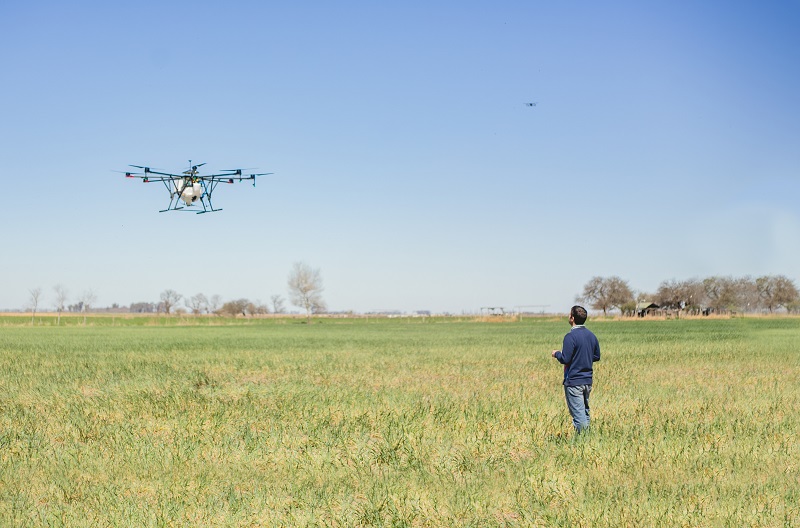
x: 646, y: 308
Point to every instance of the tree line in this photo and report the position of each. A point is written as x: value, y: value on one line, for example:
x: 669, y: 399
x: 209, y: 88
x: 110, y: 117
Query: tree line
x: 304, y: 284
x: 716, y: 294
x: 769, y: 293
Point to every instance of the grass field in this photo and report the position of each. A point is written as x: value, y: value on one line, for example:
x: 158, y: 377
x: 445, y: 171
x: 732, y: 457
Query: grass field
x: 396, y: 423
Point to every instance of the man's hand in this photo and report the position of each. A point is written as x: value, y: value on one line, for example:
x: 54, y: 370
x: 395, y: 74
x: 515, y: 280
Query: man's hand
x: 554, y: 353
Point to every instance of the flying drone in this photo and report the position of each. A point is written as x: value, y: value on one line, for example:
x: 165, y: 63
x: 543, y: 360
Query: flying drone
x: 190, y: 188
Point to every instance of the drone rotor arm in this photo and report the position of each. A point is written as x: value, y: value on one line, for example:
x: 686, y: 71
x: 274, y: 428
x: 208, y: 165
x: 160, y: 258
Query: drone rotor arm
x: 165, y: 174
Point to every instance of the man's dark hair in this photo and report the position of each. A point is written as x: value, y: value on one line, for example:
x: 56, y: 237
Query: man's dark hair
x: 578, y: 314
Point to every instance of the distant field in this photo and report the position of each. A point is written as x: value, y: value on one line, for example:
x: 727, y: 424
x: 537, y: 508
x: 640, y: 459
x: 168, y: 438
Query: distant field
x: 158, y: 422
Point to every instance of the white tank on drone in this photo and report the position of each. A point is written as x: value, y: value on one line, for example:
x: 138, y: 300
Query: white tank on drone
x: 191, y: 191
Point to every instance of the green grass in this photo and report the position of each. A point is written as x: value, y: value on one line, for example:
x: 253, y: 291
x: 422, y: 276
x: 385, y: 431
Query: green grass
x: 396, y: 423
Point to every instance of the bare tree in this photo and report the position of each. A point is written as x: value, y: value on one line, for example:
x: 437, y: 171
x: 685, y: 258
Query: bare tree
x: 669, y: 295
x: 257, y: 308
x: 36, y: 295
x: 235, y: 307
x: 61, y: 300
x: 747, y: 294
x: 197, y: 303
x: 606, y: 293
x: 277, y: 304
x: 305, y: 289
x: 169, y: 298
x: 776, y: 291
x: 593, y: 293
x: 214, y: 303
x: 681, y: 295
x: 143, y: 307
x: 721, y: 293
x: 87, y: 300
x: 694, y: 295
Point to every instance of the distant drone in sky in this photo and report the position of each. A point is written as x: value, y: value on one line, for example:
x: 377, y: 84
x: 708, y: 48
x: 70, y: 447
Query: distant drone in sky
x: 189, y: 188
x: 531, y: 104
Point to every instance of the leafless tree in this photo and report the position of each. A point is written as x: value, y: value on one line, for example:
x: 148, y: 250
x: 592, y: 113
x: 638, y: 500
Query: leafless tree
x: 197, y: 303
x: 747, y: 294
x: 669, y: 295
x: 61, y: 300
x: 169, y: 298
x: 721, y: 293
x: 694, y: 295
x: 257, y: 308
x: 277, y: 304
x: 776, y: 291
x: 143, y: 307
x: 235, y: 307
x: 87, y: 300
x: 36, y: 296
x: 681, y: 295
x: 214, y: 303
x: 305, y: 289
x: 606, y: 293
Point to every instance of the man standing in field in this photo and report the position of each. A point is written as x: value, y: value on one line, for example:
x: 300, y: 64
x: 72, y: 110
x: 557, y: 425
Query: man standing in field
x: 580, y: 350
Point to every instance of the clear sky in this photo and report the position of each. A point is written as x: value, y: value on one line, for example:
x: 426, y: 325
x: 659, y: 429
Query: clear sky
x: 665, y: 144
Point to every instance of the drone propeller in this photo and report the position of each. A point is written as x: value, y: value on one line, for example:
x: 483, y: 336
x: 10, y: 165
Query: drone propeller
x: 146, y: 179
x: 146, y: 169
x: 237, y: 172
x: 252, y: 177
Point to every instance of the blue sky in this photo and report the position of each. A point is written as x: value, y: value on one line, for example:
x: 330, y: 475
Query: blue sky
x: 408, y: 169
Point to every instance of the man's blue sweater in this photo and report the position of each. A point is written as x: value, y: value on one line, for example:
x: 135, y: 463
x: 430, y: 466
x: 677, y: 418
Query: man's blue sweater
x: 579, y: 351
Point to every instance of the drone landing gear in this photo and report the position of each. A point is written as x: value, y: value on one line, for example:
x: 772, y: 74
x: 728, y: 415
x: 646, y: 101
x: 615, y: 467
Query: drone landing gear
x: 208, y: 207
